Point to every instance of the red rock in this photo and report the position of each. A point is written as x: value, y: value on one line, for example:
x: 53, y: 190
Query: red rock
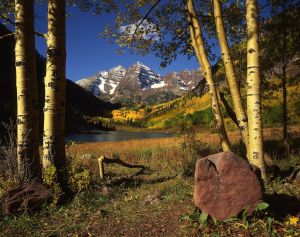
x: 226, y: 184
x: 26, y: 197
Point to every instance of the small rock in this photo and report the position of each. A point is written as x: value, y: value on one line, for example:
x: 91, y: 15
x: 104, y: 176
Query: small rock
x: 102, y: 213
x: 225, y: 185
x: 104, y: 191
x: 24, y: 198
x: 150, y: 199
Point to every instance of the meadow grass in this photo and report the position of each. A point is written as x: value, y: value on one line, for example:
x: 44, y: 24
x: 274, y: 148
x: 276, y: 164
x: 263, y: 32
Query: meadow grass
x: 120, y: 204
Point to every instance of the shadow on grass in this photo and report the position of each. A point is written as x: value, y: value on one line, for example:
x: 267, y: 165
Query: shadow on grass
x: 277, y: 148
x: 282, y: 205
x: 134, y: 182
x: 273, y: 147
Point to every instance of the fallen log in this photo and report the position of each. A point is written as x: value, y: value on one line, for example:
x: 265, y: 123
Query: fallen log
x: 106, y: 160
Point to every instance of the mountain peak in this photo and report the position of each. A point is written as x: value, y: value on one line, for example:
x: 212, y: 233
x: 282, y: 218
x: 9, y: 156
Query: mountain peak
x: 118, y: 68
x: 138, y: 81
x: 140, y: 64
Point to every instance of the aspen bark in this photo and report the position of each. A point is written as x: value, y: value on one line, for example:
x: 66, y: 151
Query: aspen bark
x: 29, y: 167
x: 253, y: 88
x: 199, y: 47
x: 55, y: 83
x: 230, y: 73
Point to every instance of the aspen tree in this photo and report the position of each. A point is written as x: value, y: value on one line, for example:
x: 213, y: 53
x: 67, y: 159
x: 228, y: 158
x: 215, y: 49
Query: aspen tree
x: 199, y: 47
x: 55, y: 83
x: 230, y: 74
x: 253, y: 88
x: 29, y: 167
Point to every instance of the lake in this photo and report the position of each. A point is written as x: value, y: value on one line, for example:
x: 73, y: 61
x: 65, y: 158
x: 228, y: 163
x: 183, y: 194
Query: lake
x: 112, y: 136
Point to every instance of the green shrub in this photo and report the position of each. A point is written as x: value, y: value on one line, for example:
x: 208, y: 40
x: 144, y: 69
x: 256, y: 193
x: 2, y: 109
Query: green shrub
x: 79, y: 176
x: 297, y: 107
x: 272, y: 115
x: 193, y: 149
x: 202, y: 116
x: 6, y: 184
x: 295, y: 118
x: 50, y: 179
x: 174, y: 121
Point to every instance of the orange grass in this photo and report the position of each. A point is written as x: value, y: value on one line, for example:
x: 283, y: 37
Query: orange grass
x: 130, y: 149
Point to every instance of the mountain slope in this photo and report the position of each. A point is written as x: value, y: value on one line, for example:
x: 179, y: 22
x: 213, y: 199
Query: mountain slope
x: 140, y: 83
x: 103, y: 83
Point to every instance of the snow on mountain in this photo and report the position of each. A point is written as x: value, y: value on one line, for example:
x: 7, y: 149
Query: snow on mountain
x: 91, y: 84
x: 104, y: 82
x: 138, y: 82
x: 146, y: 76
x: 117, y: 72
x: 159, y: 85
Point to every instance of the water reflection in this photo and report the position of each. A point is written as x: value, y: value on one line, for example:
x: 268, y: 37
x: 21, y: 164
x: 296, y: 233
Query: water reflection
x: 110, y: 136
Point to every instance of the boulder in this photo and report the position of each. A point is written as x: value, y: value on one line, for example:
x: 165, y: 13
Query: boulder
x: 226, y: 184
x: 24, y: 198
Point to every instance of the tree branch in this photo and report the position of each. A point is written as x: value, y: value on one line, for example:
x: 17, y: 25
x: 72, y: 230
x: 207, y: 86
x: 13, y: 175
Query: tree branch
x: 6, y: 36
x: 145, y: 17
x: 40, y: 34
x: 229, y: 110
x: 13, y: 23
x: 7, y: 19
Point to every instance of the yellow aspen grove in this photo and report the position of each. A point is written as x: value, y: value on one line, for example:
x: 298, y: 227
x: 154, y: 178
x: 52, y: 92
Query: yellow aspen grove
x: 55, y: 83
x: 29, y: 167
x: 253, y: 88
x: 230, y: 74
x: 199, y: 47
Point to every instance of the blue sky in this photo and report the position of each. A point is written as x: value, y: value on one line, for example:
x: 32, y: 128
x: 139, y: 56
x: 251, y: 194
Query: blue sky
x: 87, y: 53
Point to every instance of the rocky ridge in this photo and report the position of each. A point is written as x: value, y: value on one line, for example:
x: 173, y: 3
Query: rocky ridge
x: 138, y: 83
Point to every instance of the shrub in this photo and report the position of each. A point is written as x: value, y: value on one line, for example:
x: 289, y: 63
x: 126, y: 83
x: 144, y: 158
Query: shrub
x: 79, y: 175
x: 49, y: 178
x: 202, y: 116
x: 193, y: 149
x: 272, y: 115
x: 173, y: 122
x: 8, y: 151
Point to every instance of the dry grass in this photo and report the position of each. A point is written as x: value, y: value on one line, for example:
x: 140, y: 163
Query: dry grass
x: 123, y: 212
x: 126, y: 149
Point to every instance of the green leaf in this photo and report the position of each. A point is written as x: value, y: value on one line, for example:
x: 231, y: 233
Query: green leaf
x: 215, y: 221
x: 184, y: 217
x: 261, y: 206
x: 203, y: 217
x: 269, y: 221
x: 234, y: 218
x: 244, y: 215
